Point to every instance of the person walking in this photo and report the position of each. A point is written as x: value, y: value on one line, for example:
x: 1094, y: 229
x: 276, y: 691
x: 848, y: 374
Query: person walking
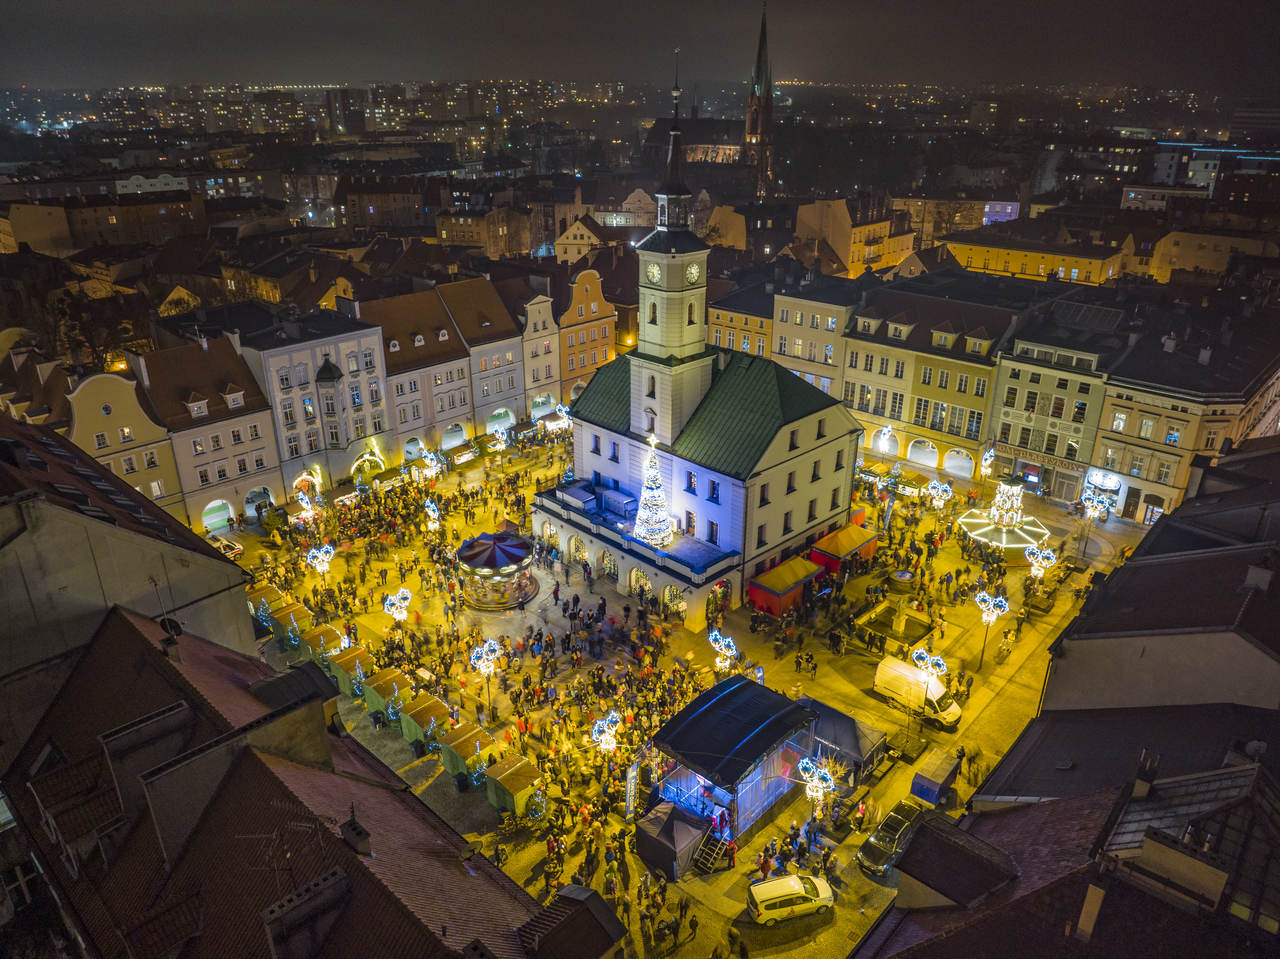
x: 693, y: 927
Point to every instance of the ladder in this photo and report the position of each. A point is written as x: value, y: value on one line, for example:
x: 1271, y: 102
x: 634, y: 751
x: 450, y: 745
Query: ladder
x: 709, y: 852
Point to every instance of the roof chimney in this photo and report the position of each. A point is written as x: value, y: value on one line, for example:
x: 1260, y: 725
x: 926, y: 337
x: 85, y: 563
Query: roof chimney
x: 1148, y: 765
x: 171, y: 649
x: 204, y: 342
x: 1206, y: 354
x: 356, y: 836
x: 1169, y: 342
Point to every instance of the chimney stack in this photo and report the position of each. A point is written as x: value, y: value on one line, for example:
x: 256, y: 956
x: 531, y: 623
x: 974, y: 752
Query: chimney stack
x: 1259, y: 576
x: 1148, y: 765
x: 356, y: 836
x: 171, y: 649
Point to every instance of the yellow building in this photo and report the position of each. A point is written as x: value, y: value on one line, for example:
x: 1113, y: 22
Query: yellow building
x: 1205, y: 252
x: 586, y: 334
x: 988, y: 252
x: 862, y: 238
x: 107, y: 420
x: 743, y: 320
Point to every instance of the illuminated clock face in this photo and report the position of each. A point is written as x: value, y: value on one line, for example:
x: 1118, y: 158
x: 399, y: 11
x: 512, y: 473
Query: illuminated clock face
x: 692, y: 272
x: 654, y: 272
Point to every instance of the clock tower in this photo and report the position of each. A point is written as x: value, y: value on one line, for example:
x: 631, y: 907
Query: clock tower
x: 671, y: 365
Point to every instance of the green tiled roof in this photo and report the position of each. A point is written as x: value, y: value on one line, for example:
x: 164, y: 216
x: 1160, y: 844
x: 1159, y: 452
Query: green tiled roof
x: 606, y: 401
x: 748, y: 404
x: 328, y: 372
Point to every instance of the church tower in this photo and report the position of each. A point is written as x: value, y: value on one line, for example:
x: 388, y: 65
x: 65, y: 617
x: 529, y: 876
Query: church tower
x: 671, y: 365
x: 758, y: 142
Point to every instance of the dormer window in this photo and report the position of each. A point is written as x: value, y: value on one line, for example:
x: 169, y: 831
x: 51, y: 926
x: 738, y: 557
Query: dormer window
x: 234, y: 399
x: 197, y: 408
x: 393, y: 346
x: 895, y: 332
x: 865, y: 326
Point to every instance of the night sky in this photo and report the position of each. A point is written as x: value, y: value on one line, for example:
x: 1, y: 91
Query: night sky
x: 1191, y: 44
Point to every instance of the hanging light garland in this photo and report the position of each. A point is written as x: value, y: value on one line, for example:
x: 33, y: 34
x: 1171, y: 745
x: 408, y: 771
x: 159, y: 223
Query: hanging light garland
x: 319, y: 558
x: 938, y: 493
x: 726, y: 649
x: 604, y: 732
x: 934, y: 665
x: 484, y: 658
x: 396, y: 605
x: 1041, y: 560
x: 993, y: 607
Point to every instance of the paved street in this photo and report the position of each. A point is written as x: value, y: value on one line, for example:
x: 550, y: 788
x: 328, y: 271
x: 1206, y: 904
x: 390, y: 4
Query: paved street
x: 1004, y: 697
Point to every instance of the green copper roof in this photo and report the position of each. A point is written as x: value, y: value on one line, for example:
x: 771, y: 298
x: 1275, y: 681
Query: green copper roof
x: 606, y: 401
x: 328, y: 372
x: 749, y: 402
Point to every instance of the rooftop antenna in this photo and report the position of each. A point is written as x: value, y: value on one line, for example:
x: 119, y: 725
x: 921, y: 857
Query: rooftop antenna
x: 675, y: 88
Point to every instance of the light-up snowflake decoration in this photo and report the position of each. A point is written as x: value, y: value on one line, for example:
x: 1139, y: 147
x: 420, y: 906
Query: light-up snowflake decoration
x: 938, y: 493
x: 934, y: 665
x: 604, y: 732
x: 986, y: 463
x: 484, y: 658
x: 433, y: 514
x: 883, y: 438
x: 396, y: 605
x: 319, y: 558
x: 1041, y: 560
x: 726, y: 649
x: 993, y: 607
x: 817, y: 780
x: 1094, y: 503
x: 501, y: 439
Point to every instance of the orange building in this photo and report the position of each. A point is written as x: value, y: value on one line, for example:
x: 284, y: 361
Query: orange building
x: 586, y: 333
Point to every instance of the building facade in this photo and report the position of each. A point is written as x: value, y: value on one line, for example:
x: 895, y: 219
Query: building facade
x: 586, y: 334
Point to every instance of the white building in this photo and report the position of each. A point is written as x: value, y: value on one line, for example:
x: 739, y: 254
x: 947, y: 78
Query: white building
x: 324, y: 377
x: 496, y: 351
x: 756, y: 464
x: 535, y: 314
x: 427, y: 369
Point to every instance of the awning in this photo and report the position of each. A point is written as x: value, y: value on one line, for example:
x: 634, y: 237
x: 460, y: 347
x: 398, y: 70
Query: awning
x: 844, y: 542
x: 787, y: 575
x: 1153, y: 499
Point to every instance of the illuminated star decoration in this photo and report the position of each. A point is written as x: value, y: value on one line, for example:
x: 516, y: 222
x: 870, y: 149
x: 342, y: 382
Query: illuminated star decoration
x: 988, y: 458
x: 1041, y: 560
x: 938, y: 493
x: 817, y: 780
x: 726, y: 649
x: 935, y: 665
x: 563, y: 411
x: 604, y: 732
x: 993, y: 607
x: 1095, y: 504
x: 396, y: 605
x: 484, y: 657
x: 320, y: 557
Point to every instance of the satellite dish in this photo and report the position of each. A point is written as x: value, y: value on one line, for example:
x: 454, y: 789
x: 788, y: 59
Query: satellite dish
x: 171, y: 626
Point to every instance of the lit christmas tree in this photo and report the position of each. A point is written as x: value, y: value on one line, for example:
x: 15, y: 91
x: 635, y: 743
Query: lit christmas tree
x: 653, y: 521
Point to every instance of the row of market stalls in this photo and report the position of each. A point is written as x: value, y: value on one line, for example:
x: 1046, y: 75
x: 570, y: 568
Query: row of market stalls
x: 783, y: 587
x: 391, y: 699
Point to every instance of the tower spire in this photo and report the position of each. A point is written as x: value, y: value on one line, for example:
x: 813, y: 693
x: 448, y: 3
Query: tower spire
x: 759, y: 141
x: 673, y: 182
x: 761, y: 76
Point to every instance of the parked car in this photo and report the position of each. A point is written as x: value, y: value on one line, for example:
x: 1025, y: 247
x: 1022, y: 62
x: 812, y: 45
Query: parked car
x: 883, y: 847
x: 227, y: 547
x: 788, y: 896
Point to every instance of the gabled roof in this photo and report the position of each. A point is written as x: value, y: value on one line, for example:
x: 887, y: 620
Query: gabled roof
x: 403, y: 318
x: 478, y: 311
x: 718, y: 437
x: 37, y: 460
x: 198, y: 372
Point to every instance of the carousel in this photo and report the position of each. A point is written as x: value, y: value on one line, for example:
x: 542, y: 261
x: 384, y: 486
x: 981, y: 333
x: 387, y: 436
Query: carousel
x: 1003, y: 524
x: 494, y: 569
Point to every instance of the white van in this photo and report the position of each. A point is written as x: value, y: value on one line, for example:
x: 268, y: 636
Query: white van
x: 787, y: 896
x: 914, y: 689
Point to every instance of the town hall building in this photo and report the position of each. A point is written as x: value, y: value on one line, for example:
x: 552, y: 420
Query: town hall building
x: 753, y: 463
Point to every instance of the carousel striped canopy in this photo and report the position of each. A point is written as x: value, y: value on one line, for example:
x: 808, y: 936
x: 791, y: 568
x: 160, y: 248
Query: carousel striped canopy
x: 494, y: 551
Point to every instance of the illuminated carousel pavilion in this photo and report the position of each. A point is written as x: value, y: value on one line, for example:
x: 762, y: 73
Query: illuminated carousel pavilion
x: 494, y: 570
x: 1003, y: 524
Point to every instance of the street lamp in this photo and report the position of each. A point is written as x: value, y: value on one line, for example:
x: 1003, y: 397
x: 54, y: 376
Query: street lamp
x: 993, y: 607
x: 319, y: 558
x: 604, y: 732
x: 396, y: 605
x: 484, y: 660
x: 818, y: 781
x: 1095, y: 505
x: 726, y: 649
x: 1041, y: 560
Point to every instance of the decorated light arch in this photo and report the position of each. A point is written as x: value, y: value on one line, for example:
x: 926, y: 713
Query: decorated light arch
x: 1041, y: 560
x: 726, y: 649
x: 319, y: 558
